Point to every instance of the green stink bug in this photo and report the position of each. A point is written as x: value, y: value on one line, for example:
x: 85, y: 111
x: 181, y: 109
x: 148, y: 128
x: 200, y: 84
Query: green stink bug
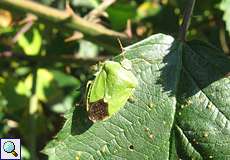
x: 113, y: 85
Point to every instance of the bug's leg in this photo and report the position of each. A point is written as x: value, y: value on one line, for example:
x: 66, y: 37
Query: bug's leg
x: 88, y: 85
x: 87, y: 93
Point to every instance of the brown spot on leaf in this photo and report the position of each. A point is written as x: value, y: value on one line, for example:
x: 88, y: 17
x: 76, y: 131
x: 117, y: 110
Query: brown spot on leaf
x: 98, y: 110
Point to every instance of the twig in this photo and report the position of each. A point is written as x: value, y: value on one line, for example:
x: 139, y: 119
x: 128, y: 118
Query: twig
x: 23, y: 30
x: 73, y: 22
x: 9, y: 55
x: 186, y: 19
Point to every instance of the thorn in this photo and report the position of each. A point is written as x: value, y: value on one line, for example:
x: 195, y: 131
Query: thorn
x: 100, y: 10
x: 76, y: 36
x: 104, y: 14
x: 95, y: 20
x: 128, y: 30
x: 29, y: 18
x: 68, y: 8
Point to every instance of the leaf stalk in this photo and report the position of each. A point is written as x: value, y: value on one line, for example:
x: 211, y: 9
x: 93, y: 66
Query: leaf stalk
x: 186, y: 20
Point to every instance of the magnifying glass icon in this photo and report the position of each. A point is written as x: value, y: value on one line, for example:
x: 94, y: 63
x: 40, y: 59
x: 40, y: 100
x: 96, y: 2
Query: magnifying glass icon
x: 9, y: 147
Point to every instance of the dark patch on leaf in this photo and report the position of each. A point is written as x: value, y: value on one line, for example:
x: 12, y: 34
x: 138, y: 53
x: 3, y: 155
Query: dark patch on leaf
x: 80, y: 121
x: 98, y: 110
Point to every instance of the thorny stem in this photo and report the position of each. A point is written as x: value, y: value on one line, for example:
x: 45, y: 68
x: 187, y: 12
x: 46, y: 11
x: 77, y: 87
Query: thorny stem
x: 92, y: 31
x: 186, y: 20
x: 54, y: 15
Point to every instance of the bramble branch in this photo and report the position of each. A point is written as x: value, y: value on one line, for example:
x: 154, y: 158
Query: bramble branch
x: 70, y: 21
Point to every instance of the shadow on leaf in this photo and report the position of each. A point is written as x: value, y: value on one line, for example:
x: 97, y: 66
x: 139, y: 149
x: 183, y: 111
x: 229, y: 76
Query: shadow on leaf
x: 80, y: 121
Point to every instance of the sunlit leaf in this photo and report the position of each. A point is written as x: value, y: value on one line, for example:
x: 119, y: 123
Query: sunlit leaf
x: 31, y: 46
x: 87, y: 49
x: 179, y: 109
x: 148, y: 9
x: 44, y: 79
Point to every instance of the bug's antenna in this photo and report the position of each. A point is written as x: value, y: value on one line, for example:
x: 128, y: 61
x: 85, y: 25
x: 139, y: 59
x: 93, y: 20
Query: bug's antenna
x: 122, y: 48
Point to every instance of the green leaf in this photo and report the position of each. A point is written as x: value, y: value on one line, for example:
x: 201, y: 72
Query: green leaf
x: 64, y: 80
x: 31, y: 47
x: 14, y: 101
x: 224, y: 6
x: 119, y: 13
x: 180, y: 108
x: 147, y: 9
x: 25, y: 153
x: 87, y: 49
x: 43, y: 83
x: 203, y: 113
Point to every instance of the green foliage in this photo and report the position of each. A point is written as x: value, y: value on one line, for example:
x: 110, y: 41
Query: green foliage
x: 178, y: 110
x: 120, y: 13
x: 224, y: 6
x: 182, y: 112
x: 33, y: 47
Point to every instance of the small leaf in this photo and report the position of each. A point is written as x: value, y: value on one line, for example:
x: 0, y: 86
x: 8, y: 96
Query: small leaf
x: 44, y: 79
x: 31, y: 47
x: 64, y: 80
x: 87, y: 49
x: 147, y: 9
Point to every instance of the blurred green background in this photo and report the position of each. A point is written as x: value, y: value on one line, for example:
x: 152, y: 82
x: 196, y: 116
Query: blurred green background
x: 44, y: 68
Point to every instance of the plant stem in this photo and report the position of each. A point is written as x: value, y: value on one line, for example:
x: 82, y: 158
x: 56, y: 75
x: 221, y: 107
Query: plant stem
x: 32, y: 117
x: 72, y: 21
x: 186, y: 19
x: 92, y: 31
